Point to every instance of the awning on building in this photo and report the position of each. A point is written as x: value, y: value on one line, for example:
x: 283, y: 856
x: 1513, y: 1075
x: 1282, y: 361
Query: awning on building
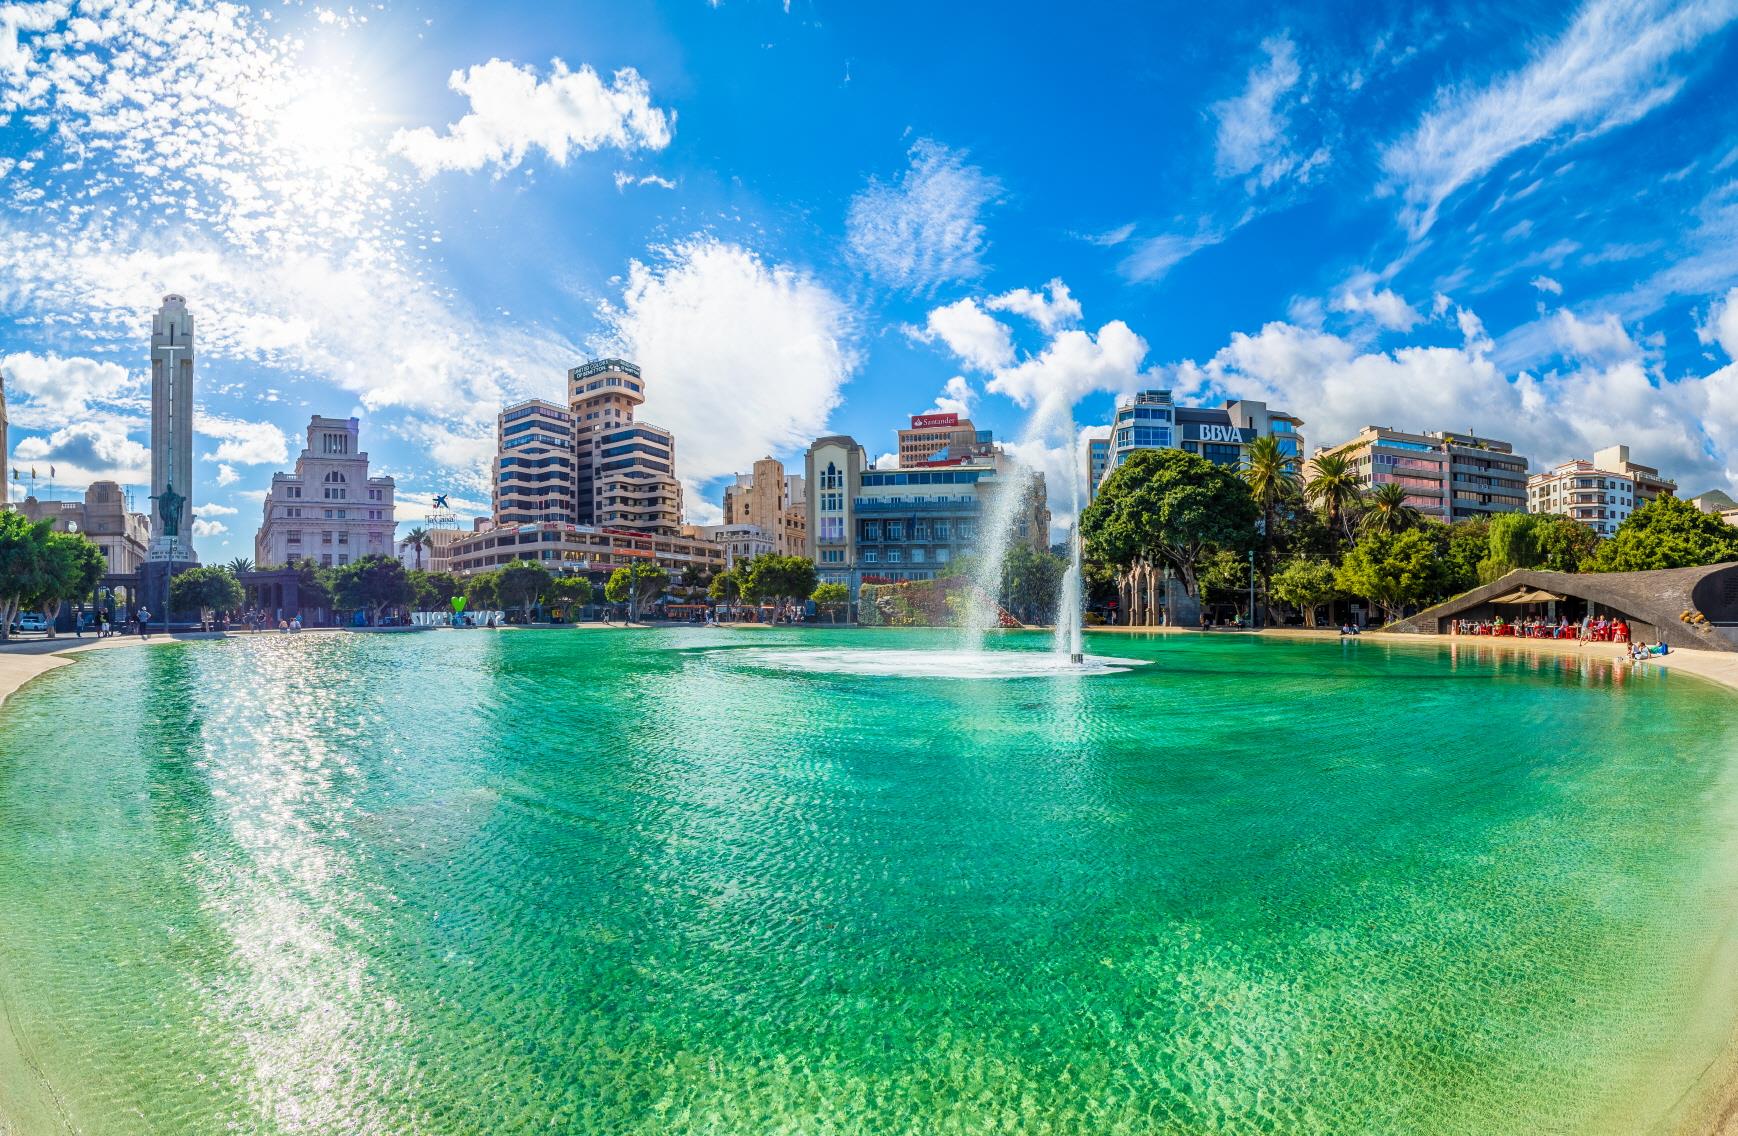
x: 1525, y: 595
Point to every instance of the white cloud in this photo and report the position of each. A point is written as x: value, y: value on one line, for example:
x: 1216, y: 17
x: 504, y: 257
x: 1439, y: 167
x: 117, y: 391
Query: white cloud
x: 1546, y: 284
x: 242, y: 442
x: 978, y: 339
x: 956, y: 397
x: 1610, y: 67
x: 923, y: 229
x: 741, y: 358
x: 1253, y: 141
x: 94, y: 449
x: 1686, y: 427
x: 226, y: 475
x: 216, y: 510
x: 1074, y: 364
x: 514, y: 111
x: 1388, y: 308
x: 1600, y: 340
x: 203, y: 527
x: 1722, y: 325
x: 698, y: 507
x: 1153, y: 257
x: 65, y: 387
x: 1057, y: 309
x: 624, y: 179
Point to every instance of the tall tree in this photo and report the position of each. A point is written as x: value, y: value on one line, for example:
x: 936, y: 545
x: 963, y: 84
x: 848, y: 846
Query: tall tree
x: 1565, y: 544
x: 434, y: 590
x: 1391, y: 570
x: 726, y: 587
x: 1272, y: 477
x: 1387, y: 510
x: 207, y: 590
x: 634, y: 584
x: 373, y: 583
x: 483, y: 591
x: 572, y: 592
x: 418, y: 539
x: 1513, y: 542
x: 779, y: 580
x: 239, y: 565
x: 1305, y: 582
x: 1667, y: 533
x: 1462, y: 547
x: 832, y: 597
x: 1335, y: 489
x: 523, y: 584
x: 1168, y: 507
x: 71, y: 567
x: 23, y: 545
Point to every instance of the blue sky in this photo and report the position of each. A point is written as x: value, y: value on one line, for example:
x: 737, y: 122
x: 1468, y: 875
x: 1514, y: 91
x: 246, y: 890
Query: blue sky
x: 1520, y: 219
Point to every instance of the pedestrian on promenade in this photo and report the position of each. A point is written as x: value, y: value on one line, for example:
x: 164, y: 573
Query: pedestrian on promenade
x: 144, y: 623
x: 103, y: 628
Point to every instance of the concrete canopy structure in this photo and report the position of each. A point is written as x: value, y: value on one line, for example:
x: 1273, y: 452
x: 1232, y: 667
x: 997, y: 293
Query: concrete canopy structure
x: 1654, y: 604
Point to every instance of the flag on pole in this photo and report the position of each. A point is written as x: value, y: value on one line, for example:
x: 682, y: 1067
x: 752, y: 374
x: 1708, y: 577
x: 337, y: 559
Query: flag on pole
x: 51, y: 471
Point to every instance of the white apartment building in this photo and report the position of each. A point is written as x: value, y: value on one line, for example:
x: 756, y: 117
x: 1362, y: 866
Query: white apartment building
x: 329, y: 511
x: 1600, y: 493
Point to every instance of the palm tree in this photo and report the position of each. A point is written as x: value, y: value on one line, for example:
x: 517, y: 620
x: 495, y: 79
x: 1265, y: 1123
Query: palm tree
x: 1335, y: 490
x: 1271, y: 475
x: 1389, y: 511
x: 417, y: 538
x: 239, y: 565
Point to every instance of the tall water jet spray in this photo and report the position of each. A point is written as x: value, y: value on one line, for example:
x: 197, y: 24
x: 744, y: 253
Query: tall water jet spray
x: 1053, y: 418
x: 1070, y: 602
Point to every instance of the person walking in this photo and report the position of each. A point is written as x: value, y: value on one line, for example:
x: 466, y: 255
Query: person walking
x: 144, y: 623
x: 103, y: 627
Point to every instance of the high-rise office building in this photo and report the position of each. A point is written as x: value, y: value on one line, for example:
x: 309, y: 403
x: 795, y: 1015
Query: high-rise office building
x: 1151, y: 419
x: 534, y: 464
x: 625, y: 473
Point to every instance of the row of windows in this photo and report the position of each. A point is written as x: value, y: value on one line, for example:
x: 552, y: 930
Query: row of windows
x: 926, y: 477
x: 897, y: 556
x: 919, y: 530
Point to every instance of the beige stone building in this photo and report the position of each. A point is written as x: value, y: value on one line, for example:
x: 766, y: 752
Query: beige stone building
x: 103, y: 516
x: 773, y: 501
x: 329, y: 511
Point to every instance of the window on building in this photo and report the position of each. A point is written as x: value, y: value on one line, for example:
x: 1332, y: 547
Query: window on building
x: 871, y: 556
x: 894, y: 556
x: 895, y: 530
x: 917, y: 556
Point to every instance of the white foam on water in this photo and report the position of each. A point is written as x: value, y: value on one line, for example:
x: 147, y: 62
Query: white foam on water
x: 936, y: 664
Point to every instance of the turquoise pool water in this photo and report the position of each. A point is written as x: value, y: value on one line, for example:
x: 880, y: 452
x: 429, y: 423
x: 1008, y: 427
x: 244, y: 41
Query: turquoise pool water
x: 656, y: 882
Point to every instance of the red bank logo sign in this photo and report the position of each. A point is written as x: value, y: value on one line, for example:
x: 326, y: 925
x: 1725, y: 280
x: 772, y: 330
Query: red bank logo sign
x: 921, y: 421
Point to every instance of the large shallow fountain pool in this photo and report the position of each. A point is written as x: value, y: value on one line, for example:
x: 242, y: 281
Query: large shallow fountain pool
x: 699, y: 881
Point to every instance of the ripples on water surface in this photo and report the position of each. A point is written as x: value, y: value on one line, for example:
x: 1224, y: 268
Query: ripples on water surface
x: 660, y: 882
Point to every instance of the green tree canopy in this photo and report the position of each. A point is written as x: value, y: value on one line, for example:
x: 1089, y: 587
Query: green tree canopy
x: 239, y: 565
x: 203, y: 590
x: 1387, y: 510
x: 23, y: 565
x: 1565, y: 544
x: 1667, y: 533
x: 1031, y: 582
x: 418, y: 539
x: 1168, y: 506
x: 1513, y: 543
x: 572, y: 591
x: 725, y: 587
x: 1335, y: 488
x: 523, y: 584
x: 434, y: 590
x: 372, y: 583
x: 831, y: 597
x: 483, y: 591
x: 1391, y: 570
x: 636, y: 583
x: 1462, y: 546
x: 779, y: 580
x: 71, y: 567
x: 1305, y: 582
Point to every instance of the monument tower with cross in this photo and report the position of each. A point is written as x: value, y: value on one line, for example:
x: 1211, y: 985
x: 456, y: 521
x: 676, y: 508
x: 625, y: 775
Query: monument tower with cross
x: 171, y: 451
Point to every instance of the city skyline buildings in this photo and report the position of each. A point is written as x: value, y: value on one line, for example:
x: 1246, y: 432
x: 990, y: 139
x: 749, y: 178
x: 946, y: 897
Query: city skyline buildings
x: 1315, y: 253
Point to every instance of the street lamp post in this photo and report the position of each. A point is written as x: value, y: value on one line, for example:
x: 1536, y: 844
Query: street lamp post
x: 1252, y: 589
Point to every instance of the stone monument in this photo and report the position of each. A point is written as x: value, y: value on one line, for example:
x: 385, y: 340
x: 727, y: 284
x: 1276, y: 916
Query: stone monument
x: 171, y: 454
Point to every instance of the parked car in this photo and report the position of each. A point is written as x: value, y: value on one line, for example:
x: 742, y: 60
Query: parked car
x: 31, y: 621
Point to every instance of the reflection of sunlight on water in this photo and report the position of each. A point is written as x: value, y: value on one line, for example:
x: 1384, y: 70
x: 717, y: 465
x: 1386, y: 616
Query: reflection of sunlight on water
x: 935, y: 663
x: 278, y: 759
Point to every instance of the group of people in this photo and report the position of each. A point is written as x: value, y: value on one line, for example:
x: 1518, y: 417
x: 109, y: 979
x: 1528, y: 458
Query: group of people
x: 257, y: 620
x: 1591, y: 629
